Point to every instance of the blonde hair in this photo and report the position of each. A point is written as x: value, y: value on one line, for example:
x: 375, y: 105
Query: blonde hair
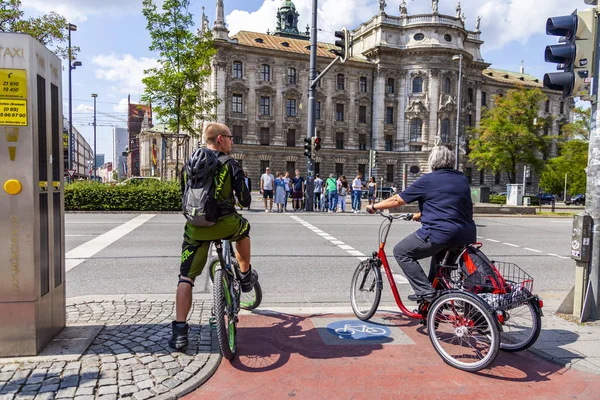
x: 212, y: 131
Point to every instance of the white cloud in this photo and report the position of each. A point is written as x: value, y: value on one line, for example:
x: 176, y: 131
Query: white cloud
x: 122, y: 106
x: 83, y: 108
x: 79, y: 10
x: 503, y: 21
x: 124, y: 72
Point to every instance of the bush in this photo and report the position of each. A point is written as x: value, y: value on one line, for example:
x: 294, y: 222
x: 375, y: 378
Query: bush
x: 147, y: 196
x: 497, y: 199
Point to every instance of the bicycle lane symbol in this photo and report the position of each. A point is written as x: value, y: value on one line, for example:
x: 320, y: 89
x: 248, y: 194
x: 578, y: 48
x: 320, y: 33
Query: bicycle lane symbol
x: 358, y: 330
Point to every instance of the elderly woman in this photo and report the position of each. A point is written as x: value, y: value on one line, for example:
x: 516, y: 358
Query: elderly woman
x: 446, y: 215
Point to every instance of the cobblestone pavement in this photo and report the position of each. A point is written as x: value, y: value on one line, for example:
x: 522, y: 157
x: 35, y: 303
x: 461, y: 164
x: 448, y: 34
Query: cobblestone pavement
x: 129, y: 358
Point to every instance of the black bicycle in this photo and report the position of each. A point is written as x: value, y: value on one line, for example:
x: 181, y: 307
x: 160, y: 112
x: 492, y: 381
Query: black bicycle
x: 228, y: 296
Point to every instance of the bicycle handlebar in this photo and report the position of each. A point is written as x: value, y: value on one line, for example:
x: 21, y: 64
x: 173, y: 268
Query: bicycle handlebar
x: 406, y: 217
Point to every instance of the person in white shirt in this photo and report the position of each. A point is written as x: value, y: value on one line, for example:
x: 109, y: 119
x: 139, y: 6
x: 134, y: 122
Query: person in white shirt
x: 267, y: 184
x: 318, y: 191
x: 356, y: 193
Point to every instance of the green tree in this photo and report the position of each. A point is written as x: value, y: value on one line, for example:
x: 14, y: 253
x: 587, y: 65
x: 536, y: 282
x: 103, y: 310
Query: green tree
x: 49, y: 29
x: 572, y: 161
x: 581, y: 126
x: 176, y: 87
x: 510, y: 133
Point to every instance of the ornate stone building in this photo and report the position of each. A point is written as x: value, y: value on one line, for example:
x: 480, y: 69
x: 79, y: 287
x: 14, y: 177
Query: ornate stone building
x: 397, y: 94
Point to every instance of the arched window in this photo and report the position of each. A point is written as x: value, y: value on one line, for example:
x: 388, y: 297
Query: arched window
x: 445, y: 130
x: 416, y: 129
x: 418, y: 85
x: 447, y: 86
x: 340, y: 82
x: 292, y: 76
x: 265, y: 72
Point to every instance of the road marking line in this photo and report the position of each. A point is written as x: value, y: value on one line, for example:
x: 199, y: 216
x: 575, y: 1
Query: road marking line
x: 356, y: 253
x: 534, y: 250
x: 492, y: 240
x: 88, y: 249
x: 511, y: 245
x: 79, y: 235
x: 345, y: 247
x: 480, y: 237
x: 556, y: 255
x: 337, y: 242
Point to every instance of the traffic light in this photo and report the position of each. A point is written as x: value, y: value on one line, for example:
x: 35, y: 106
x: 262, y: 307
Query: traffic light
x: 574, y: 54
x: 315, y: 146
x: 373, y: 158
x: 307, y: 147
x: 343, y: 43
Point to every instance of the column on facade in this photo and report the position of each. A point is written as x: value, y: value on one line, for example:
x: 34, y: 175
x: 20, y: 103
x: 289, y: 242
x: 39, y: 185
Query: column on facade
x: 352, y: 116
x: 329, y: 112
x: 478, y: 105
x: 220, y: 80
x: 378, y: 110
x: 434, y: 103
x: 251, y: 107
x: 401, y: 124
x: 279, y: 104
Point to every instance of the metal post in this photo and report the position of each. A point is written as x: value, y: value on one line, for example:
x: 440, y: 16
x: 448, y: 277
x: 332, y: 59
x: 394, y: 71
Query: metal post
x: 312, y: 122
x: 592, y: 198
x: 94, y: 95
x: 70, y: 149
x: 456, y: 152
x: 565, y: 195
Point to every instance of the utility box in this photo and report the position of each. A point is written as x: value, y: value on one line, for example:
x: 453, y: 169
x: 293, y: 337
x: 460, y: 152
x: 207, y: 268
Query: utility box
x: 514, y: 195
x: 32, y: 254
x: 581, y: 240
x: 480, y: 194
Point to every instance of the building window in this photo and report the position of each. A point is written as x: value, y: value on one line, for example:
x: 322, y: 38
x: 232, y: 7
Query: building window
x: 339, y: 140
x: 290, y: 108
x: 362, y: 86
x: 264, y: 164
x: 483, y: 99
x: 362, y: 114
x: 389, y: 176
x: 339, y: 112
x: 264, y: 137
x: 291, y: 138
x: 497, y: 178
x: 362, y: 141
x: 447, y: 86
x: 415, y: 148
x: 389, y: 115
x: 390, y: 85
x: 237, y: 134
x: 318, y: 110
x: 416, y: 128
x: 340, y: 82
x: 290, y: 166
x: 237, y: 69
x: 265, y: 72
x: 417, y: 85
x: 236, y: 104
x: 469, y: 120
x: 469, y: 174
x: 389, y: 143
x: 265, y: 106
x: 547, y: 106
x: 562, y: 107
x: 292, y: 76
x: 339, y: 169
x: 445, y: 130
x: 470, y: 96
x: 362, y: 169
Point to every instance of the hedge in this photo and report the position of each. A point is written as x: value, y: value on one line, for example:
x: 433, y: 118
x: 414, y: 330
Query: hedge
x: 496, y: 199
x: 146, y: 196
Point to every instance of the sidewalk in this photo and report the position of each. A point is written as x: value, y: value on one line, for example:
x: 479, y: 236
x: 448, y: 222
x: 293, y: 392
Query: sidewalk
x: 116, y: 347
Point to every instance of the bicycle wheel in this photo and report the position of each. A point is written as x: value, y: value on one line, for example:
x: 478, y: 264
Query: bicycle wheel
x: 521, y: 327
x: 252, y: 299
x: 366, y: 290
x: 463, y: 332
x: 212, y: 263
x: 225, y: 318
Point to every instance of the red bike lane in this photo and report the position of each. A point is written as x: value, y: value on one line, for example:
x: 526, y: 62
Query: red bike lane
x: 282, y: 355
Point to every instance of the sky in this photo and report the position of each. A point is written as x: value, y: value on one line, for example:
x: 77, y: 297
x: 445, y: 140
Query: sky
x: 114, y: 41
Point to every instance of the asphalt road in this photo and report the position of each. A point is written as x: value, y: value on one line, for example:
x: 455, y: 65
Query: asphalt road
x: 301, y: 257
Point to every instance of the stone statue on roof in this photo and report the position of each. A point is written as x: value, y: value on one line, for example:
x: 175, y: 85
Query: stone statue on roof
x: 434, y: 6
x: 382, y: 5
x: 478, y: 24
x: 403, y: 10
x: 458, y: 10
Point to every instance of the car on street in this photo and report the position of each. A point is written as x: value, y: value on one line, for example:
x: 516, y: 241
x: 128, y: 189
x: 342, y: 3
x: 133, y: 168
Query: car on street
x: 577, y: 200
x: 546, y: 198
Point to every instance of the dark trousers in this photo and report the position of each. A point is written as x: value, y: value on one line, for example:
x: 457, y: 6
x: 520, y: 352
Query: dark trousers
x: 407, y: 253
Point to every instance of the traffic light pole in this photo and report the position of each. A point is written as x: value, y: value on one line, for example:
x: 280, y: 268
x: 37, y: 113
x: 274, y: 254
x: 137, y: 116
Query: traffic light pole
x: 592, y: 199
x: 312, y: 104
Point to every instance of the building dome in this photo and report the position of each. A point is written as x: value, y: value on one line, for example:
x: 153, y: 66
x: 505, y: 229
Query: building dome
x: 288, y: 4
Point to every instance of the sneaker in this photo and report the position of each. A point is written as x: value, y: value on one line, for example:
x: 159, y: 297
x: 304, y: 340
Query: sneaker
x: 266, y: 210
x: 430, y: 297
x: 248, y: 281
x: 179, y: 336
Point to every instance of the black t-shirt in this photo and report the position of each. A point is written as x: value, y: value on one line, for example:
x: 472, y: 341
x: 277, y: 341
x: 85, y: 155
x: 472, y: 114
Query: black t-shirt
x: 444, y: 198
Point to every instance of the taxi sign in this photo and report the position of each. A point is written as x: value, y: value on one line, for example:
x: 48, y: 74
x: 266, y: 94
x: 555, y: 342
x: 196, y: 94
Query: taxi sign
x: 13, y: 112
x: 13, y: 83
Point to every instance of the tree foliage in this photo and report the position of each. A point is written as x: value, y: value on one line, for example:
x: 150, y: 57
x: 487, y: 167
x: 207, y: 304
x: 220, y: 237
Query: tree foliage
x: 51, y: 29
x: 176, y: 87
x: 510, y: 133
x: 581, y: 126
x: 572, y: 161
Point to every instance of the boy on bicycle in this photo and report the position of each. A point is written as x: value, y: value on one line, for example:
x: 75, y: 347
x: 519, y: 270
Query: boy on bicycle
x: 230, y: 226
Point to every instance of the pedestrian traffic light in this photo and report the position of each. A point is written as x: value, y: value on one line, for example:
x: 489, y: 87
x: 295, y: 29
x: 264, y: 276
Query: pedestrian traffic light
x: 574, y: 54
x: 307, y: 147
x: 315, y: 145
x: 343, y: 44
x: 373, y: 158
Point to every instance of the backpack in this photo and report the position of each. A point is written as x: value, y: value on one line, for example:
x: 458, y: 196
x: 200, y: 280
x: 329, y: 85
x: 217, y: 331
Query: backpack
x: 481, y: 276
x: 343, y: 190
x: 199, y: 200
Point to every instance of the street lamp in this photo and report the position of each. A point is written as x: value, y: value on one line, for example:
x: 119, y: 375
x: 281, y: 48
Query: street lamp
x: 460, y: 58
x: 94, y: 95
x: 72, y: 66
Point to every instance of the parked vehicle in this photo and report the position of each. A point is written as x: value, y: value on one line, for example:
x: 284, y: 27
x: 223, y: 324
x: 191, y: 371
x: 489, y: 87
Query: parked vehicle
x: 546, y: 198
x: 577, y: 200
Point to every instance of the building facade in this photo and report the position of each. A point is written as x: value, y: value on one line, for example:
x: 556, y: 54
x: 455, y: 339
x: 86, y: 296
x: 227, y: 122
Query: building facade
x: 120, y: 140
x: 82, y: 154
x: 397, y: 94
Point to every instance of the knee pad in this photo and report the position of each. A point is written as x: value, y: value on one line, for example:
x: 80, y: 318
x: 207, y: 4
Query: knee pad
x: 191, y: 283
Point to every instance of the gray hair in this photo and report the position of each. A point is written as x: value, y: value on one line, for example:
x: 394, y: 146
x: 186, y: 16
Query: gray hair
x: 441, y: 157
